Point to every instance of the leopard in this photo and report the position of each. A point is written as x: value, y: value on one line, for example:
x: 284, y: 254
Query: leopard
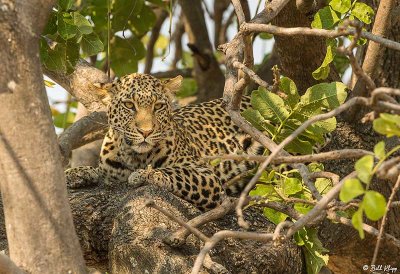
x: 151, y: 142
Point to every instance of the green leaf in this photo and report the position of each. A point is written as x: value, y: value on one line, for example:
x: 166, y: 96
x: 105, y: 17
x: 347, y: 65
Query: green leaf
x: 357, y: 221
x: 72, y: 54
x: 302, y: 208
x: 341, y: 63
x: 274, y: 216
x: 64, y: 119
x: 53, y: 58
x: 292, y: 186
x: 262, y: 190
x: 364, y: 168
x: 363, y: 12
x: 265, y: 36
x: 82, y: 23
x: 322, y: 72
x: 324, y: 95
x: 51, y: 27
x: 91, y: 44
x: 49, y: 84
x: 323, y: 185
x: 341, y: 6
x: 374, y: 205
x: 299, y: 146
x: 315, y: 167
x: 125, y: 55
x: 270, y: 105
x: 350, y: 190
x: 124, y: 11
x: 325, y: 18
x: 143, y: 21
x: 66, y: 27
x: 379, y: 150
x: 387, y: 124
x: 255, y: 118
x: 289, y: 88
x: 313, y: 250
x: 65, y: 4
x: 215, y: 162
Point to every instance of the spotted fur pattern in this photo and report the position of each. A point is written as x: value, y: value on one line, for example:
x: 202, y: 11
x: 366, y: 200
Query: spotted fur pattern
x: 149, y: 142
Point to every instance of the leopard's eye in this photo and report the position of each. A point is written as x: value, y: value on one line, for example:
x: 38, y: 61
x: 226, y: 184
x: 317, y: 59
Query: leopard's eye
x: 129, y: 105
x: 158, y: 106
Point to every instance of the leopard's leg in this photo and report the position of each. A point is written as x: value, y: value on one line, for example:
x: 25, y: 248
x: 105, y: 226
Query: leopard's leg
x: 194, y: 183
x: 83, y: 176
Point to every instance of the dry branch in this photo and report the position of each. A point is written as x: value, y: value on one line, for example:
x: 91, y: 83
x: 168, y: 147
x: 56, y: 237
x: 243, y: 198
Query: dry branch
x: 319, y: 157
x: 155, y: 33
x: 87, y: 129
x: 79, y: 84
x: 251, y: 28
x: 384, y: 219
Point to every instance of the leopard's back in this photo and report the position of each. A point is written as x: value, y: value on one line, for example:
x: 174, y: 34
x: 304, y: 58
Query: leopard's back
x: 214, y: 133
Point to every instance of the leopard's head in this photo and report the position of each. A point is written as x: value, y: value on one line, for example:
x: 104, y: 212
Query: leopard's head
x: 140, y: 109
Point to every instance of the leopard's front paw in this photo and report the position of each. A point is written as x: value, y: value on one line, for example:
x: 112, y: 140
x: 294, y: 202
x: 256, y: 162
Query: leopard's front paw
x: 79, y: 177
x: 143, y: 176
x: 137, y: 178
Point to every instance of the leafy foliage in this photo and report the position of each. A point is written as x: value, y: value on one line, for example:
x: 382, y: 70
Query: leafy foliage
x: 332, y: 16
x: 281, y: 186
x: 313, y: 249
x: 81, y: 31
x: 372, y: 204
x: 280, y: 115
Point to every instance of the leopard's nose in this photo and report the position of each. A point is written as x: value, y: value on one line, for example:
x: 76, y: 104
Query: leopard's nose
x: 145, y: 133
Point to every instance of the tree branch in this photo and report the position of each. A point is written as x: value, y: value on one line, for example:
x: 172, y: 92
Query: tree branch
x: 155, y: 33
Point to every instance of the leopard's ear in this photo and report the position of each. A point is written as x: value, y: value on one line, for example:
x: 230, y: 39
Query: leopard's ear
x: 103, y: 90
x: 173, y: 84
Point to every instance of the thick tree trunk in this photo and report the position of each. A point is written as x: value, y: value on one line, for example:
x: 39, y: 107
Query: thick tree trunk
x: 299, y: 55
x: 40, y: 232
x: 120, y: 235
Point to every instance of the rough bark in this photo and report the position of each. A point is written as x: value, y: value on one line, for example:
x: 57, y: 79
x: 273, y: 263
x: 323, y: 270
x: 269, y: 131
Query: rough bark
x: 208, y: 75
x: 387, y: 75
x: 41, y: 237
x: 348, y: 253
x: 299, y: 56
x: 350, y: 257
x: 119, y: 234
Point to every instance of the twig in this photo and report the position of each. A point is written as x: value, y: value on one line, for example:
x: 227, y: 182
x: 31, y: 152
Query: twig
x: 384, y: 219
x: 196, y: 232
x: 252, y: 27
x: 186, y: 73
x: 85, y: 130
x: 277, y: 233
x: 253, y: 76
x: 320, y: 206
x: 178, y: 238
x: 320, y: 157
x: 325, y: 174
x: 155, y: 33
x: 367, y: 228
x: 281, y: 207
x: 223, y: 234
